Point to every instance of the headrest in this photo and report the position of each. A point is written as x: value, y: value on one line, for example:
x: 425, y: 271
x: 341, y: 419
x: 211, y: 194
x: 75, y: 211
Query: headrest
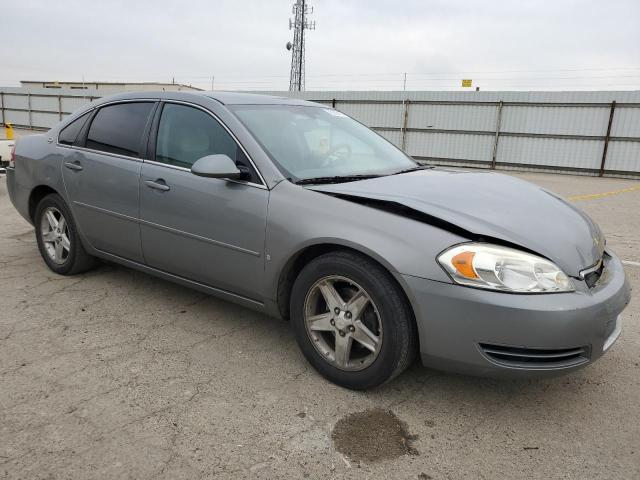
x: 192, y: 138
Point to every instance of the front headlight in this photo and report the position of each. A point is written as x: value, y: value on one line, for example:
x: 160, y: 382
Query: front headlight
x: 500, y: 268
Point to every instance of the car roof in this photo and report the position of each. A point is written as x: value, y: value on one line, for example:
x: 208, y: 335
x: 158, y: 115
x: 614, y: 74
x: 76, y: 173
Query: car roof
x: 240, y: 98
x: 225, y: 98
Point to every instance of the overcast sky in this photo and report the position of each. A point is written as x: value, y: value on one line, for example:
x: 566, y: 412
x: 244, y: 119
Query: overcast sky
x: 358, y: 44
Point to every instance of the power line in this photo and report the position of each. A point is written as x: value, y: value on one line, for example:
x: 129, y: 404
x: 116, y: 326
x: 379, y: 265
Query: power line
x: 380, y: 74
x: 399, y: 74
x: 583, y: 78
x: 424, y: 80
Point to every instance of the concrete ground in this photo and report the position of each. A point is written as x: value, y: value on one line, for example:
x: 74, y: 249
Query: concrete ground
x: 116, y: 374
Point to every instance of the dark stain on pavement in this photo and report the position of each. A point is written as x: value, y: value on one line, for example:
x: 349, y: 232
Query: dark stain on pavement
x: 372, y: 436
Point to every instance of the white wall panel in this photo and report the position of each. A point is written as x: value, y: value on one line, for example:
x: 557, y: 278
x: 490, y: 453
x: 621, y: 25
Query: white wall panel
x: 590, y: 121
x: 450, y: 145
x: 550, y: 152
x: 626, y: 122
x: 74, y: 103
x: 46, y: 120
x: 16, y: 101
x: 17, y: 118
x: 374, y: 114
x: 452, y: 118
x: 44, y: 103
x: 623, y: 156
x: 394, y: 137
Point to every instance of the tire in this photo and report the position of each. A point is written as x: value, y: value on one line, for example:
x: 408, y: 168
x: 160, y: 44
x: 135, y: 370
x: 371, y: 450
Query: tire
x: 74, y: 258
x: 387, y: 317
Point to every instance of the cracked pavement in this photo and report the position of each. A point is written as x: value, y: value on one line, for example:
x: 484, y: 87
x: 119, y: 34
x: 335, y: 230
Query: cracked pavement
x: 117, y: 374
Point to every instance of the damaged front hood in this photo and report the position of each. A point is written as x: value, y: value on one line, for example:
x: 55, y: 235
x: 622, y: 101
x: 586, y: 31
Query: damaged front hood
x: 487, y: 205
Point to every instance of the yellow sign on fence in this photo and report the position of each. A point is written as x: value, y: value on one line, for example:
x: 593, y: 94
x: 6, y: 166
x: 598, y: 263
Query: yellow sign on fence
x: 466, y: 83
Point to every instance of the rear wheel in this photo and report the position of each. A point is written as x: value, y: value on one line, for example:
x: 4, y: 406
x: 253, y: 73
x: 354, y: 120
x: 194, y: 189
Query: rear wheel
x: 352, y: 321
x: 58, y: 239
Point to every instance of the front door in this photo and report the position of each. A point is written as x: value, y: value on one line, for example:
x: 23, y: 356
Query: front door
x: 101, y: 175
x: 204, y: 229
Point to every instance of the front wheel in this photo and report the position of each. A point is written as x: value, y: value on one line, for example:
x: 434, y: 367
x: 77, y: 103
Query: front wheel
x: 58, y: 239
x: 352, y: 321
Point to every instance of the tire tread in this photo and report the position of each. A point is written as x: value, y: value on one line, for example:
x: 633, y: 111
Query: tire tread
x: 81, y: 261
x: 406, y: 333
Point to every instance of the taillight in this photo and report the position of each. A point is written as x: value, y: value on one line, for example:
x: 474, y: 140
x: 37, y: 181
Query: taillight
x: 12, y: 159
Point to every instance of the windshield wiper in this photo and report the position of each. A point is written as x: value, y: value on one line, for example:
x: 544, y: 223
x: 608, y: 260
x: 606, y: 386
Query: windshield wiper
x: 414, y: 169
x: 333, y: 179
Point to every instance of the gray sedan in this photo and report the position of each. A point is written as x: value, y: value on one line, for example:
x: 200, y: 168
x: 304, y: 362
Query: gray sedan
x: 298, y: 211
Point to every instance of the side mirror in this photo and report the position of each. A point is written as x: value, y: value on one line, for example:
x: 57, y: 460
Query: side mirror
x: 216, y: 166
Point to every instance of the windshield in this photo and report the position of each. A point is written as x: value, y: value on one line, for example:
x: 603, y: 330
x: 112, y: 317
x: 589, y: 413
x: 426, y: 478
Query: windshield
x: 312, y: 142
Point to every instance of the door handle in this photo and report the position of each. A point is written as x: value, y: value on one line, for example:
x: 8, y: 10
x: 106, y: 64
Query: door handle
x: 73, y: 166
x: 157, y: 185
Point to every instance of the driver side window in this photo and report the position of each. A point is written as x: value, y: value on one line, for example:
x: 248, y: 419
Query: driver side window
x: 186, y: 134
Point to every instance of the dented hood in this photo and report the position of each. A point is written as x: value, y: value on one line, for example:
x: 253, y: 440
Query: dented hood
x: 485, y: 205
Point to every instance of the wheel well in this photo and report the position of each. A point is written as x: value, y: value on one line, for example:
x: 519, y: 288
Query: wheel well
x: 38, y: 194
x: 295, y: 265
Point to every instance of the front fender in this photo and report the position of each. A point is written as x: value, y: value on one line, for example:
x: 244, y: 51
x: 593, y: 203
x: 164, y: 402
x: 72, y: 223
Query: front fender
x: 299, y: 218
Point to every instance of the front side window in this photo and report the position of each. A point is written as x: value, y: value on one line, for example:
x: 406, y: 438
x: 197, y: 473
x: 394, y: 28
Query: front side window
x: 69, y: 133
x: 186, y: 134
x: 310, y: 142
x: 119, y: 128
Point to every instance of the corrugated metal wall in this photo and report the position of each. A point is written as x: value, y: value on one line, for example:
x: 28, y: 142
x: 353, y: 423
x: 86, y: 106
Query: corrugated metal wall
x: 548, y: 131
x: 39, y: 108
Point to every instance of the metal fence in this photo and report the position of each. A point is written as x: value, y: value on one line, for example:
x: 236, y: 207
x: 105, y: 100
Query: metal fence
x: 590, y: 133
x: 39, y: 109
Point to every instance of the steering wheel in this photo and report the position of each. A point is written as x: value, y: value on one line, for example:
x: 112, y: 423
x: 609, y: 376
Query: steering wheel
x: 338, y: 154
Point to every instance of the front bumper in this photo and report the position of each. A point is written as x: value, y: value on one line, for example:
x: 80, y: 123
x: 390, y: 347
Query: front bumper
x: 497, y: 334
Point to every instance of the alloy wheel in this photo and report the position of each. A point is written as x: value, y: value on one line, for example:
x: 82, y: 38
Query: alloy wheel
x: 54, y: 231
x: 343, y: 323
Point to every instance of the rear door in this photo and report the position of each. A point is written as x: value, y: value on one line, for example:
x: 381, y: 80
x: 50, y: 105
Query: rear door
x: 205, y: 229
x: 101, y: 170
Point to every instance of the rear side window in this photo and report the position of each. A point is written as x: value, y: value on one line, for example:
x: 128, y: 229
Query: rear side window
x: 69, y: 133
x: 119, y: 128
